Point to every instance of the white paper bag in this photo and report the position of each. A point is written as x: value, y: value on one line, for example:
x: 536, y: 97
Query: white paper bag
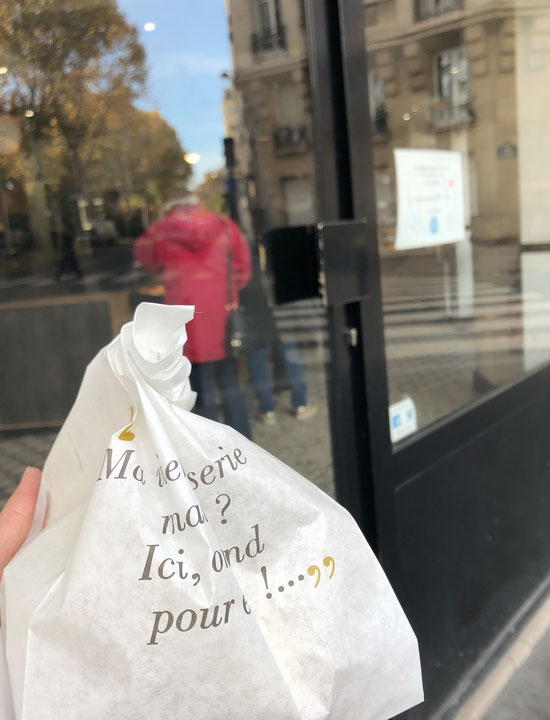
x: 177, y: 570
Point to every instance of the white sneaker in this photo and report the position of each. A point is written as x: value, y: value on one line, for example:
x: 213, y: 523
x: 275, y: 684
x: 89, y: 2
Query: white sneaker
x: 304, y: 412
x: 269, y: 418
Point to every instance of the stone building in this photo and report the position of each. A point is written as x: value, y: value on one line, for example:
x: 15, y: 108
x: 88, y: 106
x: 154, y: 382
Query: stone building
x: 270, y: 88
x: 443, y: 74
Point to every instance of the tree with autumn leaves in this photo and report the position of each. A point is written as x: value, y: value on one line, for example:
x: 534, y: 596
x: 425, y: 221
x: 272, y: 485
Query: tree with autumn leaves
x: 75, y: 70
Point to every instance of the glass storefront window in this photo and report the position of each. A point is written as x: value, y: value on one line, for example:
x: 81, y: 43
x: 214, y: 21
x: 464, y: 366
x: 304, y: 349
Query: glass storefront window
x: 140, y: 107
x: 112, y: 114
x: 464, y: 315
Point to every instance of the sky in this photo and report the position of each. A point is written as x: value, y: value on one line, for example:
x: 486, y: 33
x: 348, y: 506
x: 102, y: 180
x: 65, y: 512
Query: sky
x: 186, y: 55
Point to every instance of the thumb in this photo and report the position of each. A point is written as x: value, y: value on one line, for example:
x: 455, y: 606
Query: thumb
x: 16, y: 517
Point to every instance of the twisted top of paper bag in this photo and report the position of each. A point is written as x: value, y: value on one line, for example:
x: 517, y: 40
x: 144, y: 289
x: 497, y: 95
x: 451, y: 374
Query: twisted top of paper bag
x: 158, y: 329
x: 150, y: 350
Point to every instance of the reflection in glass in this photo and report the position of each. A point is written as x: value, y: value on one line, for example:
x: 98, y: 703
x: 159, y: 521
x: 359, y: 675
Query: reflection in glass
x: 112, y: 113
x: 463, y: 318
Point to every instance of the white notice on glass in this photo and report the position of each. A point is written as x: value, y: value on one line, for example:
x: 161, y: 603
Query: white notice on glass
x: 430, y: 198
x: 403, y: 421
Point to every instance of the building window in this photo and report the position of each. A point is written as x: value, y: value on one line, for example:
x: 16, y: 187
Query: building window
x: 453, y: 76
x: 426, y: 9
x: 299, y: 201
x: 267, y: 22
x: 452, y: 105
x: 289, y: 133
x: 377, y: 107
x: 269, y: 33
x: 376, y: 92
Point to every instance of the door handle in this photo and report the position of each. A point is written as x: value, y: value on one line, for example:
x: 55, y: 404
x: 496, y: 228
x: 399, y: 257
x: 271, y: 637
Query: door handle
x: 351, y: 335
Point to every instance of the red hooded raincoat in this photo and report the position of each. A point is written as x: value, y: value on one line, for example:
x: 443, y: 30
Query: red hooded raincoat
x: 191, y: 246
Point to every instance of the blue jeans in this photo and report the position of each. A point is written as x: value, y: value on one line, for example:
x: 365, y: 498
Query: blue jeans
x: 223, y: 374
x: 258, y: 366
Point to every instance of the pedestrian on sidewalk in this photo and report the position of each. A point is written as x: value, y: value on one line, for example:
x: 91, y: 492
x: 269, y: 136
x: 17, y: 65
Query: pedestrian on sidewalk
x: 191, y: 246
x: 68, y: 262
x: 266, y: 339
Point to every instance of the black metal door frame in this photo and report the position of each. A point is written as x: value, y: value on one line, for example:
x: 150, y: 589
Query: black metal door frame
x: 343, y: 153
x: 490, y: 457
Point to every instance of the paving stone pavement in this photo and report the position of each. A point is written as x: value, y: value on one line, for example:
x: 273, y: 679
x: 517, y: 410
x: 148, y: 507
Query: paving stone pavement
x: 432, y: 356
x: 527, y: 696
x: 302, y: 444
x: 18, y: 451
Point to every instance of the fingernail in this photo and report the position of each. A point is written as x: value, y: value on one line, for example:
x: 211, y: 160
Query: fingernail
x: 27, y: 470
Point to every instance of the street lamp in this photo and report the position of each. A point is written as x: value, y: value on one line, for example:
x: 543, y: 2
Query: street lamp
x: 191, y: 158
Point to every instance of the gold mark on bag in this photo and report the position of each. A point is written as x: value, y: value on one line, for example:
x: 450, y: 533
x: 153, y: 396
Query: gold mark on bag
x: 127, y: 433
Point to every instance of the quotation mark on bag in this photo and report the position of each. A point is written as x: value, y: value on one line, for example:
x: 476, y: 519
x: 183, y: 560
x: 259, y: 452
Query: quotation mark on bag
x: 312, y: 570
x: 127, y: 433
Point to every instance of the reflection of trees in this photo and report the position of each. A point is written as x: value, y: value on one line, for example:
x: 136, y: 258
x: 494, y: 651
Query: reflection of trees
x: 211, y: 192
x: 70, y: 63
x: 139, y: 155
x: 75, y: 70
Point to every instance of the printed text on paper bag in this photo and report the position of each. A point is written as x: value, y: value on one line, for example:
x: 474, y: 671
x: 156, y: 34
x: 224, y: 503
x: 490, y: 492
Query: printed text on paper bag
x: 160, y: 565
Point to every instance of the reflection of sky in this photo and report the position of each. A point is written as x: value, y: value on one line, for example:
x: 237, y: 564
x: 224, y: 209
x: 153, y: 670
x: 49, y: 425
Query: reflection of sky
x: 186, y: 55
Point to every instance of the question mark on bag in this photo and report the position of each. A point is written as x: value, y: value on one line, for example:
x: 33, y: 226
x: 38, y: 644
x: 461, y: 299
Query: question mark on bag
x: 224, y: 508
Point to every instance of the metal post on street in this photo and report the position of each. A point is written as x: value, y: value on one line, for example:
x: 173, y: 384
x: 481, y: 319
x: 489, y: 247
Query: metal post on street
x: 231, y: 180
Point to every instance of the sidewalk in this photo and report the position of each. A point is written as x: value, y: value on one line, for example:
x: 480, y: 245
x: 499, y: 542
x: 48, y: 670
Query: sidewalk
x: 517, y: 687
x: 527, y: 696
x: 304, y: 445
x: 17, y: 451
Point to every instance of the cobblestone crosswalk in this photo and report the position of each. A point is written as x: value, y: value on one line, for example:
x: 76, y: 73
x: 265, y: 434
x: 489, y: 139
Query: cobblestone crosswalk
x: 432, y: 356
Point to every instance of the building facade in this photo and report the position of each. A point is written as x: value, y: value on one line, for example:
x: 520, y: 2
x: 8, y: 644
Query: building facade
x: 273, y: 127
x: 455, y: 75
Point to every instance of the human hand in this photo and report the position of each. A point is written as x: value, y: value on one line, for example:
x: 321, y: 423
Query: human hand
x: 16, y: 517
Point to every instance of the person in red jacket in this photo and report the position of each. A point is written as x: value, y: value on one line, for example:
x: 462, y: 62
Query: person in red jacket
x: 192, y: 246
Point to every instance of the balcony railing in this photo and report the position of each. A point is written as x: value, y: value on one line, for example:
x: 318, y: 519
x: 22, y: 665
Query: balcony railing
x: 286, y: 139
x: 426, y: 9
x: 268, y: 41
x: 443, y: 115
